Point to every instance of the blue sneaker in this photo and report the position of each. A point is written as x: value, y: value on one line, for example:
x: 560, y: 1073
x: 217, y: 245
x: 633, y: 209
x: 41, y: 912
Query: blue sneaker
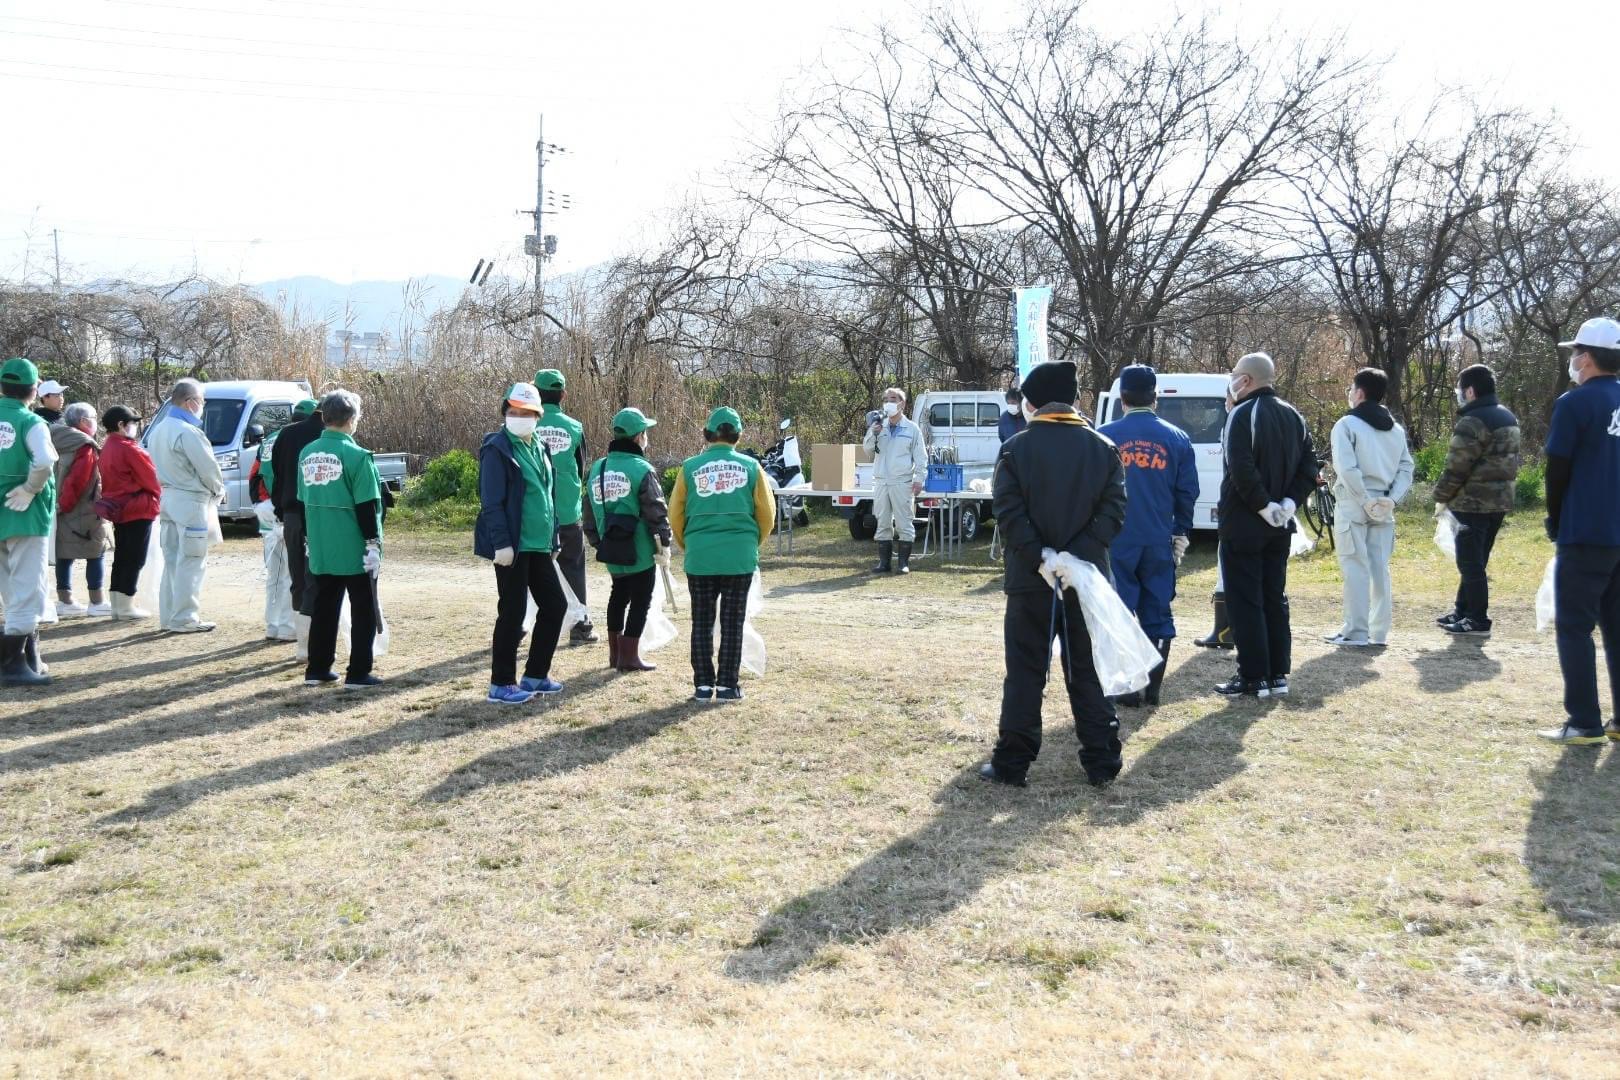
x: 728, y: 693
x: 508, y: 695
x: 706, y: 693
x: 540, y: 686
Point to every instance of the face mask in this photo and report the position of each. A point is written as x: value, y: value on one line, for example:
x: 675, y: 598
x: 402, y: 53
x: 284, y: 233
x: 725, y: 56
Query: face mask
x: 1574, y: 371
x: 1232, y: 387
x: 1350, y: 399
x: 1012, y: 408
x: 1461, y: 400
x: 1029, y: 413
x: 521, y: 426
x: 890, y: 408
x: 132, y: 430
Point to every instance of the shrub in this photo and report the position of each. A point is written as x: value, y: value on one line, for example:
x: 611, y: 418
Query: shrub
x: 1531, y: 485
x: 1429, y: 462
x: 452, y: 476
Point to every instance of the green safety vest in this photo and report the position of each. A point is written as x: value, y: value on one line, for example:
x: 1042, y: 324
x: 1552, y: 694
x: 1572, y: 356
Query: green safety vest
x: 538, y: 525
x: 335, y: 475
x: 563, y: 436
x: 15, y: 463
x: 722, y: 535
x: 615, y: 488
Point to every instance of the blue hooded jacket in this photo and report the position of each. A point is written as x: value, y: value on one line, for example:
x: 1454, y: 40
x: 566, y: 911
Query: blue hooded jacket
x: 500, y: 495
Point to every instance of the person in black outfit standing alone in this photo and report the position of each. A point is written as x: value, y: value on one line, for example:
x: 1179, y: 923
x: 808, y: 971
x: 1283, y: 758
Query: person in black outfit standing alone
x: 1271, y: 467
x: 1059, y: 487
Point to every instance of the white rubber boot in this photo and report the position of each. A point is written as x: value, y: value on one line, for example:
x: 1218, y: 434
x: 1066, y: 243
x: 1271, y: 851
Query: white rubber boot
x: 302, y: 623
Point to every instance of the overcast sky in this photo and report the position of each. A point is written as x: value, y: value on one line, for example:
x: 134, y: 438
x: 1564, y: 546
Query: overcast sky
x: 363, y: 139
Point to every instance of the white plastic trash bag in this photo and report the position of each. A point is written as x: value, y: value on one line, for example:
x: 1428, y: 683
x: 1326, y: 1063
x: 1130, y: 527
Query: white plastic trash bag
x: 1445, y: 532
x: 1547, y: 597
x: 574, y: 614
x: 1123, y: 655
x: 1300, y: 542
x: 753, y: 650
x: 146, y: 589
x: 660, y: 629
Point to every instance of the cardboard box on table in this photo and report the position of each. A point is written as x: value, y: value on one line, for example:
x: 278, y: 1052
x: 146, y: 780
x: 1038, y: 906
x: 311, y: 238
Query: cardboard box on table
x: 832, y: 466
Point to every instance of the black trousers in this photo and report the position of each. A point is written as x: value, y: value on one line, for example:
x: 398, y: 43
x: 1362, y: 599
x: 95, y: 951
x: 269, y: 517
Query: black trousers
x: 727, y: 595
x: 1028, y: 634
x: 303, y: 582
x: 1255, y: 572
x: 1587, y: 585
x: 571, y: 558
x: 532, y: 573
x: 1476, y: 536
x: 130, y: 541
x: 629, y: 601
x: 330, y: 589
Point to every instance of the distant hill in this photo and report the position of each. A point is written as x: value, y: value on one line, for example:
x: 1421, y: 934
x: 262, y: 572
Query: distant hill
x: 364, y: 306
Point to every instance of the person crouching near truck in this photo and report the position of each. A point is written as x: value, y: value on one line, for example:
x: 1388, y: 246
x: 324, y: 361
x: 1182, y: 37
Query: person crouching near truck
x: 627, y: 513
x: 517, y: 530
x: 1161, y: 478
x: 721, y: 510
x: 899, y: 464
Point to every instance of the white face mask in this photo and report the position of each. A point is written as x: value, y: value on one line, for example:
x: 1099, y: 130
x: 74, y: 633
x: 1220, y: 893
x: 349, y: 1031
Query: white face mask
x: 890, y: 408
x: 521, y: 426
x: 1029, y: 413
x: 1462, y: 398
x: 1574, y: 371
x: 1350, y: 399
x: 131, y: 430
x: 1012, y: 408
x: 1233, y: 385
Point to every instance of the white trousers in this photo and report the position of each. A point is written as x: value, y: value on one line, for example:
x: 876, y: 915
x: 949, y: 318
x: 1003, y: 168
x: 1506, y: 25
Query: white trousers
x: 895, y: 509
x: 22, y: 582
x: 1364, y: 551
x: 185, y: 559
x: 278, y: 609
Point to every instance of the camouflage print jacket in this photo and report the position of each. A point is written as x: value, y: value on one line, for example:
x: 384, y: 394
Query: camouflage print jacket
x: 1483, y: 461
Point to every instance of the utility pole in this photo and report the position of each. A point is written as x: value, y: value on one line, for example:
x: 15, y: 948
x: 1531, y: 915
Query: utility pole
x: 56, y: 243
x: 539, y: 246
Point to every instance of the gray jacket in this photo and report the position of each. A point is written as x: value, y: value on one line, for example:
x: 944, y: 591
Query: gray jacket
x: 899, y: 454
x: 1369, y: 463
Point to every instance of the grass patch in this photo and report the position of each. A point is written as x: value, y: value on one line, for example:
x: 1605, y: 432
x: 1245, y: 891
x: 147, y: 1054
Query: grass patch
x: 48, y: 858
x: 1054, y: 964
x: 95, y: 978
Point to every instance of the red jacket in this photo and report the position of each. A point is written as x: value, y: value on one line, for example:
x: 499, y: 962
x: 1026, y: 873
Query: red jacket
x: 127, y: 473
x: 80, y: 475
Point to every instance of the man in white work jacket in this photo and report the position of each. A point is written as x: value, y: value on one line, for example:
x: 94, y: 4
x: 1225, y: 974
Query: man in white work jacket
x: 900, y: 461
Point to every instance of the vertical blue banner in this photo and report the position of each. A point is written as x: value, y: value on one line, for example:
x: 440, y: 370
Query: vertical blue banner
x: 1029, y: 326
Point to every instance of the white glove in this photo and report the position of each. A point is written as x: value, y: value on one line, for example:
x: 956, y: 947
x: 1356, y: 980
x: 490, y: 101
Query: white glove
x: 1289, y: 507
x: 504, y: 556
x: 19, y: 499
x: 1275, y: 515
x: 1049, y: 566
x: 662, y: 558
x: 1178, y: 548
x: 1067, y: 569
x: 266, y: 512
x: 1379, y: 510
x: 373, y: 560
x: 1440, y: 509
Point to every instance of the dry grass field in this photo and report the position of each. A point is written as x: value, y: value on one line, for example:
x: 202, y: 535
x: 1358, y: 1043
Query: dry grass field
x: 206, y: 869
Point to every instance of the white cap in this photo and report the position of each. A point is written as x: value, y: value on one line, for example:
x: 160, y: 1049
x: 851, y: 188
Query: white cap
x: 525, y: 396
x: 49, y: 387
x: 1594, y: 334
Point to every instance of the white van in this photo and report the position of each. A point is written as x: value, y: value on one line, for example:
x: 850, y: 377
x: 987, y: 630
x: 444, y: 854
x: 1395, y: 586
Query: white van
x: 1197, y: 405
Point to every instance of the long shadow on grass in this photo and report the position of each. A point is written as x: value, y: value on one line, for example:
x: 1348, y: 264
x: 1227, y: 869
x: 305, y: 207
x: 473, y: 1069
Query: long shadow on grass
x: 823, y: 585
x: 447, y: 721
x: 118, y: 702
x: 1570, y: 843
x: 980, y: 832
x: 260, y: 706
x: 1445, y: 671
x: 560, y: 752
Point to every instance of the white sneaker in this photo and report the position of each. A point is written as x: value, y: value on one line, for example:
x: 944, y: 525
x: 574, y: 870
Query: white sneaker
x: 70, y: 611
x: 99, y: 610
x: 190, y: 628
x: 1344, y: 642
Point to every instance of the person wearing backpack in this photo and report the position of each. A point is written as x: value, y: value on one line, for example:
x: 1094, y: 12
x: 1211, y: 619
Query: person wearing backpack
x: 721, y: 510
x: 517, y: 531
x: 627, y: 514
x: 80, y: 531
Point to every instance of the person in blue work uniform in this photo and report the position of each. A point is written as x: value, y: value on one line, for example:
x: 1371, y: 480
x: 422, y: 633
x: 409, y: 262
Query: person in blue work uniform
x: 1161, y: 490
x: 1583, y: 519
x: 1011, y: 421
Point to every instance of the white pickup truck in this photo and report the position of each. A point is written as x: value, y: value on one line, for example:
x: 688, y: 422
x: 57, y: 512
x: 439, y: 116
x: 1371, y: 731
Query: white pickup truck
x: 237, y: 416
x: 964, y: 420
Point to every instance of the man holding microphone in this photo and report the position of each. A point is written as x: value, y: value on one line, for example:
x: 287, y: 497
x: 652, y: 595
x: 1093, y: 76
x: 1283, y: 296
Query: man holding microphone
x: 900, y: 462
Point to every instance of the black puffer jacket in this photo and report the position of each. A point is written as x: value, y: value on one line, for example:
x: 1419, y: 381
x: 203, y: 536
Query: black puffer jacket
x: 1060, y: 485
x: 1269, y: 458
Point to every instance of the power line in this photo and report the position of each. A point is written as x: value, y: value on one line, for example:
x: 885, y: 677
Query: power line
x: 416, y: 11
x: 256, y: 82
x: 193, y: 90
x: 270, y: 41
x: 240, y: 12
x: 414, y: 65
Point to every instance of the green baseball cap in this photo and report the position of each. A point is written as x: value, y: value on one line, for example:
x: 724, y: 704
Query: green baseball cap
x: 725, y: 414
x: 550, y: 379
x: 306, y: 407
x: 631, y: 422
x: 19, y: 372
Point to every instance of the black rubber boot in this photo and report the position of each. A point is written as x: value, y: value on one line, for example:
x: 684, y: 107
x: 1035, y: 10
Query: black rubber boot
x: 31, y: 654
x: 14, y: 669
x: 885, y: 557
x: 905, y: 557
x: 1221, y: 636
x: 1150, y: 696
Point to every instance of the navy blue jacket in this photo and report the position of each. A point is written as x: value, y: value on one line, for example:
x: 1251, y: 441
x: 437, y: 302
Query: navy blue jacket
x: 500, y: 495
x: 1009, y: 424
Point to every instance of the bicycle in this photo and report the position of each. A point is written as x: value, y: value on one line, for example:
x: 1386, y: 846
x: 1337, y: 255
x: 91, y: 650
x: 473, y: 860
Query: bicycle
x: 1319, y: 507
